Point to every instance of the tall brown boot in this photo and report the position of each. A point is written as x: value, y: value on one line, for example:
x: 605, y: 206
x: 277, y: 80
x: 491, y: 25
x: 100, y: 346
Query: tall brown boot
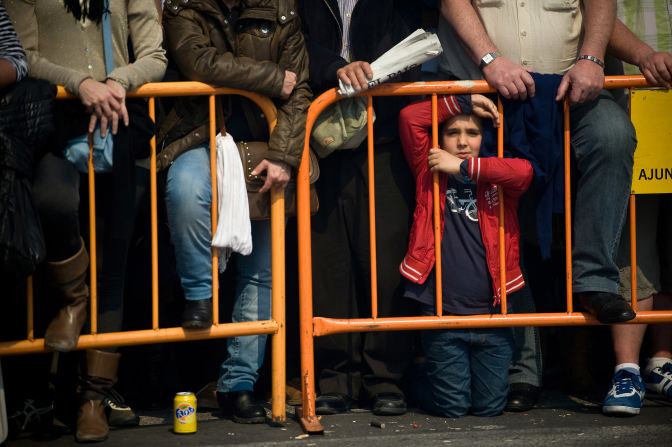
x: 99, y: 376
x: 69, y: 279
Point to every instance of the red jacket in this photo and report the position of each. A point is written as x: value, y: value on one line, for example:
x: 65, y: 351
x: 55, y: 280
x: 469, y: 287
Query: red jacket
x: 512, y: 174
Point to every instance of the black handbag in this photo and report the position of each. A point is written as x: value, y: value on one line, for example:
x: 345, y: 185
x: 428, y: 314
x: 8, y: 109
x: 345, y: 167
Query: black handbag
x: 26, y: 122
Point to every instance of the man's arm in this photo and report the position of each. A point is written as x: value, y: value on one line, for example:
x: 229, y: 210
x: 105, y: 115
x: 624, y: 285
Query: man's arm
x: 510, y: 79
x: 656, y: 66
x: 585, y: 80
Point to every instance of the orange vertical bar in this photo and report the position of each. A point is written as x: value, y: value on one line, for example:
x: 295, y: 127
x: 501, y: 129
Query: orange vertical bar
x: 213, y: 208
x: 93, y: 287
x: 154, y: 230
x: 279, y: 367
x: 633, y: 252
x: 278, y: 303
x: 30, y: 311
x: 307, y: 416
x: 438, y: 297
x: 372, y: 211
x: 500, y: 194
x: 568, y: 208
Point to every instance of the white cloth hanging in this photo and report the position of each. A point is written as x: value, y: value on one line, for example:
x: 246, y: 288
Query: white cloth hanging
x: 234, y: 231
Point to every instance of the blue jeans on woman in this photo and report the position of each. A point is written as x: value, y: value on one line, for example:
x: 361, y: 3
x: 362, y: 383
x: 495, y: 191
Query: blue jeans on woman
x: 188, y: 199
x: 466, y: 371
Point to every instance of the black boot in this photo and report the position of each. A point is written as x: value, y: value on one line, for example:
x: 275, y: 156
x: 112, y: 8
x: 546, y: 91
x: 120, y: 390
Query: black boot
x: 197, y: 314
x: 242, y: 406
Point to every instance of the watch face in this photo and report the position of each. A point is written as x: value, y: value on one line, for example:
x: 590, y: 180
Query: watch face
x: 488, y: 58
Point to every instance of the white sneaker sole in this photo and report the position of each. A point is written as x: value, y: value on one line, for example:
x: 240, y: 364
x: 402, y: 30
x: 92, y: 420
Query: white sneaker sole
x: 620, y: 409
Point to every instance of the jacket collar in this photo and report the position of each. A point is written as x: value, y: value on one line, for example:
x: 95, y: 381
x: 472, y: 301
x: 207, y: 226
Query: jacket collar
x: 270, y: 10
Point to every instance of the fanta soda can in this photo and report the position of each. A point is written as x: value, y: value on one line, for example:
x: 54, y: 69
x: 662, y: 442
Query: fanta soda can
x: 184, y: 413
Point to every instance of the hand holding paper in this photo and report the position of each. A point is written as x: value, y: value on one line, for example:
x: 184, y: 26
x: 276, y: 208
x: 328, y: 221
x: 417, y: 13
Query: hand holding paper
x: 414, y: 50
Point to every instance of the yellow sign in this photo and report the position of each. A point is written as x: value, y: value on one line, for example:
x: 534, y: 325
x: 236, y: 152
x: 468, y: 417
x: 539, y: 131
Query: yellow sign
x: 651, y: 112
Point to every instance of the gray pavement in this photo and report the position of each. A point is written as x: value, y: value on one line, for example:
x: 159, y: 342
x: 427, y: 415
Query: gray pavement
x: 557, y: 420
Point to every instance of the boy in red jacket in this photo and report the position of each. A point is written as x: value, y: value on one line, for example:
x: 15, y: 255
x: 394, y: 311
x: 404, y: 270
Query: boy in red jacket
x: 467, y: 369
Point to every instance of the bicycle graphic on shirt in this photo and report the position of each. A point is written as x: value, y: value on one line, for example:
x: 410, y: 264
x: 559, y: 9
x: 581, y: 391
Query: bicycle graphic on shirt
x: 464, y: 204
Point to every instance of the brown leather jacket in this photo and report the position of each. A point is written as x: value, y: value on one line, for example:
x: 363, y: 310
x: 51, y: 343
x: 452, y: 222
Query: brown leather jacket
x: 266, y: 41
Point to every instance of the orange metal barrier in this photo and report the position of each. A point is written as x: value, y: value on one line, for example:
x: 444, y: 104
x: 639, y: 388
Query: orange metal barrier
x: 274, y: 327
x: 312, y: 326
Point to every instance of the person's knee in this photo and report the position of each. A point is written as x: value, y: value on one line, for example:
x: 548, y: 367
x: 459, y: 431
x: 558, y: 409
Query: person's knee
x: 54, y: 205
x: 188, y: 194
x: 612, y: 136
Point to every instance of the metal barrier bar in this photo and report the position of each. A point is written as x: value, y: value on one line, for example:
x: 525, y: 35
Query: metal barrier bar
x: 146, y: 336
x: 568, y: 207
x: 93, y: 250
x: 500, y: 195
x: 633, y: 252
x: 212, y: 126
x: 438, y: 268
x: 329, y: 326
x: 317, y: 326
x: 274, y: 327
x: 372, y: 209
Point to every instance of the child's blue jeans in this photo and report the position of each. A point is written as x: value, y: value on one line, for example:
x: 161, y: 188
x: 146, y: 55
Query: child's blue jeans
x: 466, y: 371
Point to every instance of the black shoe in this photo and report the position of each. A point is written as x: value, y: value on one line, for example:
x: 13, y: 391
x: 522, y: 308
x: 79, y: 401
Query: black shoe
x: 197, y: 314
x: 332, y: 403
x: 522, y: 397
x: 242, y: 407
x: 607, y: 307
x: 118, y: 413
x: 388, y: 404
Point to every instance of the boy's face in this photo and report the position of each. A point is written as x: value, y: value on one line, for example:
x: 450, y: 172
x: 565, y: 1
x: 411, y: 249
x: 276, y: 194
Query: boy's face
x: 461, y: 136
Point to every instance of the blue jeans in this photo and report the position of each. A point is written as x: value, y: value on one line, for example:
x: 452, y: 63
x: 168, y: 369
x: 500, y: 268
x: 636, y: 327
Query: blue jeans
x: 188, y: 199
x: 603, y: 140
x: 466, y: 371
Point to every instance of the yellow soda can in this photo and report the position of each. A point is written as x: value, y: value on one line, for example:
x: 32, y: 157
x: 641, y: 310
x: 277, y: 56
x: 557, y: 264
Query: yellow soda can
x: 184, y: 413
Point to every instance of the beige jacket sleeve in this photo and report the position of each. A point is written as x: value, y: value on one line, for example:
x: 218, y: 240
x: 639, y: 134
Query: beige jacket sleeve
x: 150, y: 58
x: 23, y: 16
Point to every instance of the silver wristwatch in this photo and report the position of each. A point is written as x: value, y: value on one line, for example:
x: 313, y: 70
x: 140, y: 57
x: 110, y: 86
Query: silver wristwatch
x: 488, y: 59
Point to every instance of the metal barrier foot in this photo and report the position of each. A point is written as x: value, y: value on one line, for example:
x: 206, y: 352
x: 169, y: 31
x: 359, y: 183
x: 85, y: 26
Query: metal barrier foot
x: 309, y: 424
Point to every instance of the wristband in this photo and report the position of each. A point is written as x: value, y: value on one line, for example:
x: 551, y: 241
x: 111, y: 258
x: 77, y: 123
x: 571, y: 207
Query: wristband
x: 594, y: 59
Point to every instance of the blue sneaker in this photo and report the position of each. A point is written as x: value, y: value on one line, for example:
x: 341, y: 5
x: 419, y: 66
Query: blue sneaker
x: 659, y: 380
x: 626, y: 394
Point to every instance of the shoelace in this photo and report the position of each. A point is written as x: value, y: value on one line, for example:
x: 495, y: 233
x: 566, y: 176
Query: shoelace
x: 666, y: 370
x: 115, y: 400
x: 623, y: 383
x: 30, y: 413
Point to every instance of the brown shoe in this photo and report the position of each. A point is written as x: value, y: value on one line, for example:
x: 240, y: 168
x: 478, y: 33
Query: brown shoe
x: 92, y: 422
x: 68, y: 277
x: 100, y: 374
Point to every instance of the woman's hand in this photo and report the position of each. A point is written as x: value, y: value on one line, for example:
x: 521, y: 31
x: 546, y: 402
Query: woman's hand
x: 485, y: 108
x: 277, y: 174
x: 443, y: 161
x: 104, y: 103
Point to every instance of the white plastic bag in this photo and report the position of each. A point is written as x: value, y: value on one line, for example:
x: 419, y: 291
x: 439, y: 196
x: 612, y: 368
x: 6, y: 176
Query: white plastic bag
x: 234, y: 231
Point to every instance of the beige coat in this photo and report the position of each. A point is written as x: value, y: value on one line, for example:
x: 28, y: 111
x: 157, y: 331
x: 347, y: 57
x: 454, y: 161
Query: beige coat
x: 67, y: 52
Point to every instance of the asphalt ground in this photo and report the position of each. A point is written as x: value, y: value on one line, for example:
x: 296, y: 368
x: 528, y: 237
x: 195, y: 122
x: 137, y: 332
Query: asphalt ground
x: 558, y: 419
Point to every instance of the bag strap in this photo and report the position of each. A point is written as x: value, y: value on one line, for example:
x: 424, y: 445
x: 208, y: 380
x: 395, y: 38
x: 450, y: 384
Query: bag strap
x: 107, y: 39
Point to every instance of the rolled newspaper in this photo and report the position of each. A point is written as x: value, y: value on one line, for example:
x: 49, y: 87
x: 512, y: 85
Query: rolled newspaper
x: 414, y: 50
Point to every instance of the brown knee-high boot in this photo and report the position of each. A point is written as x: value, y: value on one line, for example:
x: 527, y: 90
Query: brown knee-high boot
x: 68, y: 277
x: 99, y: 376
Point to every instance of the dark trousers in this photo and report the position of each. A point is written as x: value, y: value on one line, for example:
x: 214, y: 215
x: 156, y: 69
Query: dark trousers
x: 376, y: 361
x: 56, y: 190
